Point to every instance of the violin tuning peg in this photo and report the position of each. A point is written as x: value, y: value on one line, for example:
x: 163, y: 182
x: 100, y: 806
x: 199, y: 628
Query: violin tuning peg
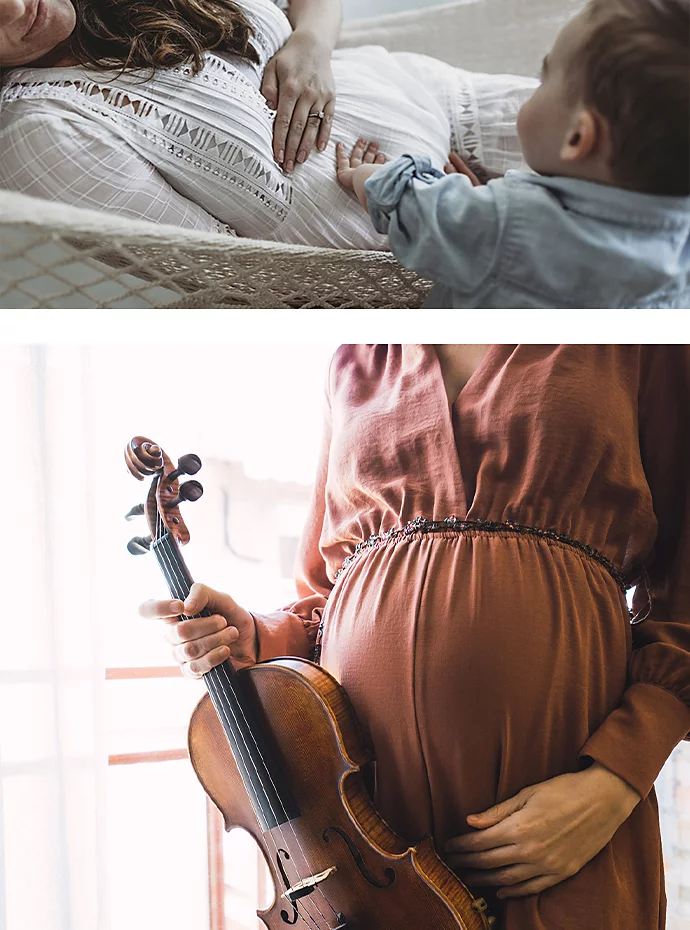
x: 136, y: 511
x: 138, y: 545
x: 189, y: 491
x: 186, y: 465
x: 189, y: 464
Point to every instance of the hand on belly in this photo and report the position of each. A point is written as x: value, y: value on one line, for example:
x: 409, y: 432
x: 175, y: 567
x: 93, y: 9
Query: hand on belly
x: 544, y: 834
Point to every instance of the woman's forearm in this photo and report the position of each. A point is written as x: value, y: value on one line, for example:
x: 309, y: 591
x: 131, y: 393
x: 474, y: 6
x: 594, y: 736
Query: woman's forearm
x: 319, y: 18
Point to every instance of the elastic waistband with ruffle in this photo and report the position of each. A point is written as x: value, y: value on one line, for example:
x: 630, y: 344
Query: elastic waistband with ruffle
x: 454, y: 524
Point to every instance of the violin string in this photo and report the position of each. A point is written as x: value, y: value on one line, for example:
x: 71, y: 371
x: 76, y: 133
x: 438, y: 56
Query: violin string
x: 296, y: 835
x: 214, y: 688
x: 272, y: 838
x: 178, y: 578
x: 178, y: 582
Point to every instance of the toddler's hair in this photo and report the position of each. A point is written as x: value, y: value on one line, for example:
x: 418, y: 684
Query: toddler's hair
x: 634, y: 69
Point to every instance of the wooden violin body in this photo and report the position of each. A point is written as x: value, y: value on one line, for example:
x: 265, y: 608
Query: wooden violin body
x: 379, y: 882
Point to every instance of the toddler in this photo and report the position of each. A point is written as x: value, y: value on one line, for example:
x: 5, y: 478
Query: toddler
x: 605, y: 220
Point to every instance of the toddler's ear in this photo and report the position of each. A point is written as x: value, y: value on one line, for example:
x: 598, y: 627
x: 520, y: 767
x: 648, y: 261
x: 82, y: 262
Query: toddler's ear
x: 584, y: 136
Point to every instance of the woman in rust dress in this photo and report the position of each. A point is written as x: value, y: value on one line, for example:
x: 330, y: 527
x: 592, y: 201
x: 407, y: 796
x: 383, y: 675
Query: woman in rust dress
x: 488, y: 532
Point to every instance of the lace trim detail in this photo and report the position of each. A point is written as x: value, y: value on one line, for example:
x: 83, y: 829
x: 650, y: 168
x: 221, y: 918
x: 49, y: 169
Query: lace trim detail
x: 207, y: 150
x: 242, y: 88
x: 465, y: 128
x: 423, y: 525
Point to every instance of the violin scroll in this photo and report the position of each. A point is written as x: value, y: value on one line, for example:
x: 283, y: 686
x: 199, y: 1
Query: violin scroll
x: 145, y: 458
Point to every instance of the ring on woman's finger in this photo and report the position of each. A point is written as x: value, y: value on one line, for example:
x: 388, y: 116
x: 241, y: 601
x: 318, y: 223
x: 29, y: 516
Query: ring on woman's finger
x: 318, y: 115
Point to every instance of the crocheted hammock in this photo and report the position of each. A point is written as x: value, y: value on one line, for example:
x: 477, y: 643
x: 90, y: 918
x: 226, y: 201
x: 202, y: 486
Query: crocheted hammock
x: 53, y: 255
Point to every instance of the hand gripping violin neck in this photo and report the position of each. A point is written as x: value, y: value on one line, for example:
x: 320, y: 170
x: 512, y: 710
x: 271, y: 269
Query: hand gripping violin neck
x: 278, y: 749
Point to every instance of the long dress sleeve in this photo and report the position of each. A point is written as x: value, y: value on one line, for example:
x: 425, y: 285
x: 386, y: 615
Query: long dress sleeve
x: 637, y: 738
x: 77, y: 161
x: 293, y: 630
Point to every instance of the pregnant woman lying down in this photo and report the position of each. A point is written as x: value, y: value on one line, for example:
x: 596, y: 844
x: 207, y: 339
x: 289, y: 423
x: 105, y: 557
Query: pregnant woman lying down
x: 219, y: 116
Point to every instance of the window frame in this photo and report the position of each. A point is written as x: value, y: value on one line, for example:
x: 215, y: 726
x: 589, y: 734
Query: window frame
x: 214, y: 818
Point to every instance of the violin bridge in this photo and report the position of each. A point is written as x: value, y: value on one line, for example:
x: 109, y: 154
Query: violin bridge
x: 307, y: 885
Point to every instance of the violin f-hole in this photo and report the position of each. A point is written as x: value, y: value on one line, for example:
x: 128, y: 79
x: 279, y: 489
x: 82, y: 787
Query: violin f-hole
x: 284, y: 914
x: 357, y: 856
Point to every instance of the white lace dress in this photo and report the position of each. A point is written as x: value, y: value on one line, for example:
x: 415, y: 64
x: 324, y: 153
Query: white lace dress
x: 195, y: 151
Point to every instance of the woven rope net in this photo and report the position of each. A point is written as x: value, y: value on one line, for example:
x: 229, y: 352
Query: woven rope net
x: 57, y: 256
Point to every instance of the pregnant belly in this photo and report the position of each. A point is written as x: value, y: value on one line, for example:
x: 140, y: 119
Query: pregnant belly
x: 477, y: 664
x: 377, y: 99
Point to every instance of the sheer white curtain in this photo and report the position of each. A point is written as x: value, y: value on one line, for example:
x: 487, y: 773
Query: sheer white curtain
x: 52, y: 759
x: 85, y: 846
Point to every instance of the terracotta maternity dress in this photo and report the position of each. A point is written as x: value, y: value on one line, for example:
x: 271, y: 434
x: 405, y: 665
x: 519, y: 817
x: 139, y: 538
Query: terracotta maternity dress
x: 485, y: 660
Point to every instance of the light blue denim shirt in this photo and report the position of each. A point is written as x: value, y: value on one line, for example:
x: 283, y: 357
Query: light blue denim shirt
x: 529, y: 241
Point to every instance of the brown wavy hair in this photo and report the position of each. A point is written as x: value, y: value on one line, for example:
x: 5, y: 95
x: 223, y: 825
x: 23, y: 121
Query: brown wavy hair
x: 155, y: 34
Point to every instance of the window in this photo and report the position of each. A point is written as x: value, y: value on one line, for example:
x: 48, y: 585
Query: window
x: 237, y: 545
x: 99, y: 806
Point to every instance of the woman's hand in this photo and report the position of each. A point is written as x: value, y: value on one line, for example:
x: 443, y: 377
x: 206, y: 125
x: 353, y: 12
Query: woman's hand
x: 298, y: 82
x: 455, y: 165
x: 202, y: 642
x: 544, y: 834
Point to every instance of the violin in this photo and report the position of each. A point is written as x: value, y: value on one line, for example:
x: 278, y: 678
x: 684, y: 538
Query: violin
x: 278, y: 749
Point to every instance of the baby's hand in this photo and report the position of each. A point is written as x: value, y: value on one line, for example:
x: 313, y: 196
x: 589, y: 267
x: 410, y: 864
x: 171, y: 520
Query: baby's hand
x: 456, y: 165
x: 362, y: 154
